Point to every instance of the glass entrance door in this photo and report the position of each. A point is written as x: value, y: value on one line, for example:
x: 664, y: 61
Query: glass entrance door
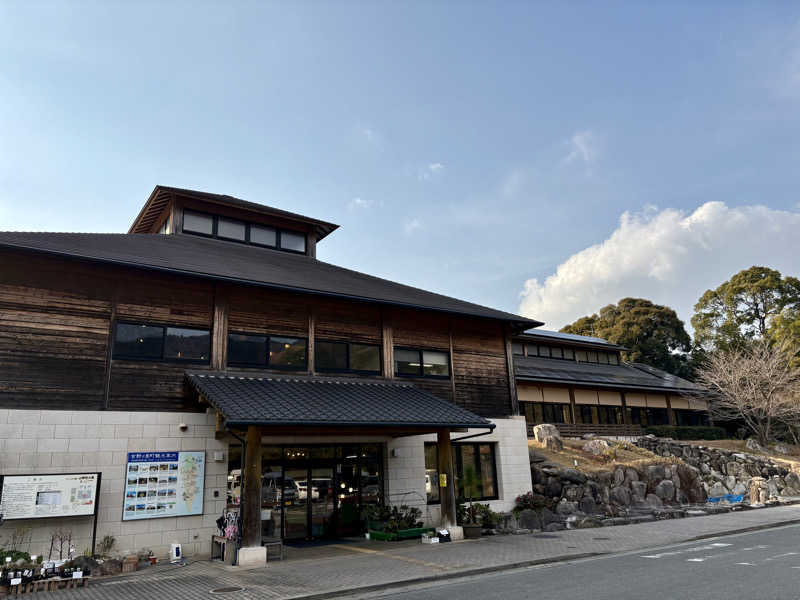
x: 321, y: 502
x: 295, y: 500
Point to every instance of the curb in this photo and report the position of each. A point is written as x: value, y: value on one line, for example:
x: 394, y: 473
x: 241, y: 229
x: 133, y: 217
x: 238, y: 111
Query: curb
x: 378, y: 587
x: 519, y: 565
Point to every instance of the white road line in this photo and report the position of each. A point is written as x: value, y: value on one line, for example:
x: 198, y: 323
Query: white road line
x: 752, y: 565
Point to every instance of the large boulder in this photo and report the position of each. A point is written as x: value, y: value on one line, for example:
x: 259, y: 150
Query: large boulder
x: 718, y: 489
x: 665, y: 490
x: 572, y: 492
x: 631, y: 475
x: 573, y: 476
x: 639, y: 489
x: 656, y: 473
x: 781, y: 448
x: 548, y: 436
x: 566, y: 508
x: 595, y: 447
x: 654, y: 501
x: 753, y: 445
x: 553, y: 487
x: 739, y: 488
x: 792, y: 480
x: 587, y: 505
x: 620, y: 496
x: 729, y: 482
x: 529, y: 519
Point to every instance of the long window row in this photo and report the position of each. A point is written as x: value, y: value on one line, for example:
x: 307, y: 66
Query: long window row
x: 545, y: 351
x: 479, y: 458
x: 216, y: 226
x: 543, y: 412
x: 142, y: 341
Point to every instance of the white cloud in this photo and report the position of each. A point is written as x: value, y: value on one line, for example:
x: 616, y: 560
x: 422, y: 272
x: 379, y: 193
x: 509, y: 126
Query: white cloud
x: 583, y: 146
x: 669, y: 257
x: 430, y: 171
x: 357, y: 203
x: 411, y: 225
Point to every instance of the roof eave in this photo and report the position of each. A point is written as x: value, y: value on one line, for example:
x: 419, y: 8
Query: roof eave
x: 623, y: 386
x: 123, y: 263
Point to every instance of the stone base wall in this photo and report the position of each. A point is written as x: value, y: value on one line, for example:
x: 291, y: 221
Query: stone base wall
x: 50, y: 441
x: 405, y: 482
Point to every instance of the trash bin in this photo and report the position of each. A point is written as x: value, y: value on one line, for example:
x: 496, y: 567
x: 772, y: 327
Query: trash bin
x: 444, y: 536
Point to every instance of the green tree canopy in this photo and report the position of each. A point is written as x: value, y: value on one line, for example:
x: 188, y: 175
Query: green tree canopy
x: 750, y: 305
x: 653, y: 333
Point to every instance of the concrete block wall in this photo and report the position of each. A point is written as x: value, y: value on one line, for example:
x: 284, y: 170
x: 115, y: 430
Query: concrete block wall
x: 405, y: 472
x: 52, y: 441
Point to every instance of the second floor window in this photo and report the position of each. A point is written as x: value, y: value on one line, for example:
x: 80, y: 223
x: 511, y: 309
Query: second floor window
x: 143, y: 341
x: 410, y: 362
x: 267, y: 351
x: 347, y: 357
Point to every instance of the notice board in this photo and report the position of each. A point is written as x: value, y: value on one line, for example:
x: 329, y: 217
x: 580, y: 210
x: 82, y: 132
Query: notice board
x: 163, y: 484
x: 49, y: 495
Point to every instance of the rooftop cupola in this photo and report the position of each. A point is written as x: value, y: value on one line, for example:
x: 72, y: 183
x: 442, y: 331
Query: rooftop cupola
x: 171, y: 210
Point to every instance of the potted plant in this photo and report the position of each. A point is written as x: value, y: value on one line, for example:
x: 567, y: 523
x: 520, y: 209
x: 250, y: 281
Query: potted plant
x: 472, y: 529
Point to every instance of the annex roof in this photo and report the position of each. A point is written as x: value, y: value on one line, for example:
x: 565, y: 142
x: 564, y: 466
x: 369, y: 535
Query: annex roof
x: 569, y: 338
x: 631, y: 376
x: 239, y: 263
x: 319, y: 401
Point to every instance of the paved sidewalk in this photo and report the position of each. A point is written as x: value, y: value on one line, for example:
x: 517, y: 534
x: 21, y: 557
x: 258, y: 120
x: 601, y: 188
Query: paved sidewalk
x: 343, y: 568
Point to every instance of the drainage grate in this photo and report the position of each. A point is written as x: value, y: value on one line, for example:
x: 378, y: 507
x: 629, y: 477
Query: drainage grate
x: 227, y: 590
x: 601, y: 538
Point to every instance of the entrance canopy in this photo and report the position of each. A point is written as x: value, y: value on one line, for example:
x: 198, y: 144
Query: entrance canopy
x: 322, y: 402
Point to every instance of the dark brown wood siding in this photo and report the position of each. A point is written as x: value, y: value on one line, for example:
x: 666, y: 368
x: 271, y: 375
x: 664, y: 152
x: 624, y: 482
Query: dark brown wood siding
x: 53, y: 333
x: 480, y: 367
x: 55, y: 320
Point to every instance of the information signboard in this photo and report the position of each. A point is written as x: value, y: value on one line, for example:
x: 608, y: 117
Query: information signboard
x: 43, y: 496
x: 163, y: 484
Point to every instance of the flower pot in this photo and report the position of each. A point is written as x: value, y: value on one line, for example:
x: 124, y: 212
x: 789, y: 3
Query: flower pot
x: 472, y: 531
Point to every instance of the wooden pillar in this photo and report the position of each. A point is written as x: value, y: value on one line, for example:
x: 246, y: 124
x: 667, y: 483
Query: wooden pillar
x: 219, y: 329
x: 311, y: 346
x: 447, y: 492
x: 512, y: 379
x: 251, y: 489
x: 387, y: 338
x: 625, y: 417
x: 670, y: 412
x: 572, y: 405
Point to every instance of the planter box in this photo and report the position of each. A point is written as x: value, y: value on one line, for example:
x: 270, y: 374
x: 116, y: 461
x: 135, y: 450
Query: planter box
x: 402, y: 534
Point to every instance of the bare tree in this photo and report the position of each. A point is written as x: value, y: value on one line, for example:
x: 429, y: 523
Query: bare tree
x: 756, y: 384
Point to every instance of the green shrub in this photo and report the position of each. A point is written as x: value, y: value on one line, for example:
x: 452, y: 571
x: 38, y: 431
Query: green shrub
x: 15, y: 556
x: 685, y: 432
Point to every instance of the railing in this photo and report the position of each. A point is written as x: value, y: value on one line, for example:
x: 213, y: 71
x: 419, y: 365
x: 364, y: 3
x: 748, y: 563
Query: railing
x: 578, y: 429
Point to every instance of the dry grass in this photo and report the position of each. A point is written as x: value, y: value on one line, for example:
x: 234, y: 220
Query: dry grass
x: 792, y: 460
x: 623, y: 454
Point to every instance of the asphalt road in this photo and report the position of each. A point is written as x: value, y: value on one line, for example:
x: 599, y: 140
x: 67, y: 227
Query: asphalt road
x: 756, y: 566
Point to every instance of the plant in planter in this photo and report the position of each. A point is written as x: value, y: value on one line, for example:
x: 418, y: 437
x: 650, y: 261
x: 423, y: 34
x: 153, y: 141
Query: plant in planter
x: 472, y: 528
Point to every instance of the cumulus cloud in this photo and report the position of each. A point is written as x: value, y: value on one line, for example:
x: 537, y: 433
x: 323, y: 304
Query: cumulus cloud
x: 411, y: 225
x: 669, y: 257
x: 357, y: 203
x: 430, y: 171
x: 583, y: 147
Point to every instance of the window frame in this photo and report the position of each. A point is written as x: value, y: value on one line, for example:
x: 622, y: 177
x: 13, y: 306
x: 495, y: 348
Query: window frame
x: 348, y: 369
x: 458, y: 469
x: 247, y: 225
x: 267, y: 365
x: 164, y: 327
x: 421, y: 373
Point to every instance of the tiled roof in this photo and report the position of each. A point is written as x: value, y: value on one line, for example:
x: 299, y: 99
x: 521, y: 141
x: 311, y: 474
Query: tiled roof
x: 228, y: 261
x: 320, y: 401
x: 625, y: 375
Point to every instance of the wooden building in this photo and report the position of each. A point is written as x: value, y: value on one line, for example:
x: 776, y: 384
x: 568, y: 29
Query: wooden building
x: 582, y: 385
x: 212, y: 327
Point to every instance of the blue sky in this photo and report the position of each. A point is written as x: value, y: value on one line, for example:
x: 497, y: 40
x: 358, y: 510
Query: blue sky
x: 472, y: 149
